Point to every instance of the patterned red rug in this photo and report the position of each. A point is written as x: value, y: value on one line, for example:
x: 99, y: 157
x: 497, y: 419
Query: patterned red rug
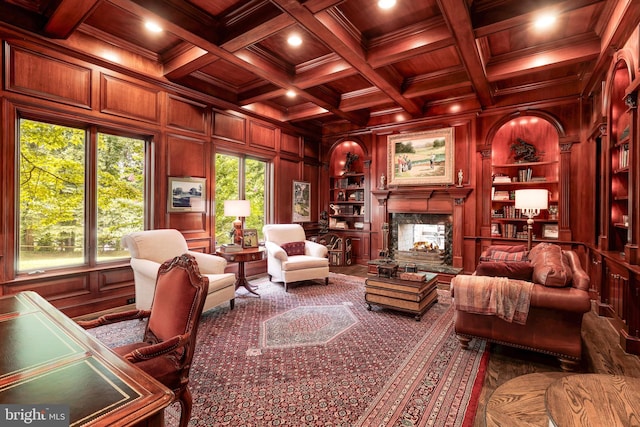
x: 282, y: 360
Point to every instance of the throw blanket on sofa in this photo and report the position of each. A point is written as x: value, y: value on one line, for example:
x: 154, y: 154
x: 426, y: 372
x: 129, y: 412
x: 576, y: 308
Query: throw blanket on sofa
x: 506, y: 298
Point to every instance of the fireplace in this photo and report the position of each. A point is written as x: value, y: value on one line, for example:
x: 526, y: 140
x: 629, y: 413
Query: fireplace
x: 425, y: 240
x: 423, y: 226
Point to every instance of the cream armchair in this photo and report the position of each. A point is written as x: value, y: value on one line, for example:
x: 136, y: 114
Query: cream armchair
x: 292, y: 258
x: 149, y: 249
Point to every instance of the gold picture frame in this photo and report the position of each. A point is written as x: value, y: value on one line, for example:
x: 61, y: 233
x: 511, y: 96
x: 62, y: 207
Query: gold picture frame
x: 421, y: 158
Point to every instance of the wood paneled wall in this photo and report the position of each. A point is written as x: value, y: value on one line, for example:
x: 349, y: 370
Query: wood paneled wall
x: 186, y: 132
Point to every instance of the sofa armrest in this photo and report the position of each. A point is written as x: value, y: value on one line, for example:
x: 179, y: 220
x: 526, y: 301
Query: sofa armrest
x: 208, y: 263
x: 561, y: 299
x: 276, y: 251
x: 315, y: 249
x: 580, y: 279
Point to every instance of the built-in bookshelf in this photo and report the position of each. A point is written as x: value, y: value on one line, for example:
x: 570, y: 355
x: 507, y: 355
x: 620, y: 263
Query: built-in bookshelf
x: 538, y: 169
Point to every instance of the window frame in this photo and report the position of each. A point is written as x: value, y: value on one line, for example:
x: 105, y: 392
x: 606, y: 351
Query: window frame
x: 91, y: 128
x: 269, y: 178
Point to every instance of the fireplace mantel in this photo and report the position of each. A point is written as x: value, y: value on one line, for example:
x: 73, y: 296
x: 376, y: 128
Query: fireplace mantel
x: 421, y: 200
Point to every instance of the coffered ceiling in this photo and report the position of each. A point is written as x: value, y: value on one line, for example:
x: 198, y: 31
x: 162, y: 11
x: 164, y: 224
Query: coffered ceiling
x: 357, y: 63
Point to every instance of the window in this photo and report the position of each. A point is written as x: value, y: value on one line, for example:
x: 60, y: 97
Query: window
x: 54, y: 221
x: 240, y: 178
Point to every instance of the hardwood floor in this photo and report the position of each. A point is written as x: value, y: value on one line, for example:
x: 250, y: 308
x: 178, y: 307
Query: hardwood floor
x: 602, y: 354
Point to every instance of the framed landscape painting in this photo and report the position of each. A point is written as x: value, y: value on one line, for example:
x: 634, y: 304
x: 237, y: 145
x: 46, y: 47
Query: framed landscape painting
x: 421, y: 158
x: 186, y: 194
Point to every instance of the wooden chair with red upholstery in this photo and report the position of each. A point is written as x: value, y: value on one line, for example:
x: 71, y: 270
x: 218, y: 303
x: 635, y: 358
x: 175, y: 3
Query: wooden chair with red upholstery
x: 168, y: 345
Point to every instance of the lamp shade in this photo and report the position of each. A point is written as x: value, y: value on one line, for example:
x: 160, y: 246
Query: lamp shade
x: 237, y: 208
x: 534, y: 198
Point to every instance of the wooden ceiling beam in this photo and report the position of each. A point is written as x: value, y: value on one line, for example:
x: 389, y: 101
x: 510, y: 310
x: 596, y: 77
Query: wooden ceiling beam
x: 530, y: 61
x: 67, y: 16
x: 444, y: 81
x: 243, y: 59
x: 187, y: 62
x: 503, y: 17
x: 325, y: 27
x: 403, y: 45
x: 457, y: 16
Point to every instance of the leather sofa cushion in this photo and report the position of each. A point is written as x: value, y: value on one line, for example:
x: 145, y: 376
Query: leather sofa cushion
x: 293, y: 248
x: 550, y: 267
x: 521, y: 270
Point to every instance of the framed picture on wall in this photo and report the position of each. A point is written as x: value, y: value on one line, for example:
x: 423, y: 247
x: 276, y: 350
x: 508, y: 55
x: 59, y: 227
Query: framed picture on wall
x: 549, y: 231
x: 186, y: 194
x: 301, y: 201
x: 421, y: 158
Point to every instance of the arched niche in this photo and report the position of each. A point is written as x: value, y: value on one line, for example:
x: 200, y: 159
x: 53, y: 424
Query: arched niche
x: 339, y: 152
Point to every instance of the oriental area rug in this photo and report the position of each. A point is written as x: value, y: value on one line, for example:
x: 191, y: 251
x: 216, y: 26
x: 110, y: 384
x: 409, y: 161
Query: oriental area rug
x: 317, y: 356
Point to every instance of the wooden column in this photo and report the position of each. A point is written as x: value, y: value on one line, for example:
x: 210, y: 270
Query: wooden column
x: 633, y: 232
x: 564, y: 201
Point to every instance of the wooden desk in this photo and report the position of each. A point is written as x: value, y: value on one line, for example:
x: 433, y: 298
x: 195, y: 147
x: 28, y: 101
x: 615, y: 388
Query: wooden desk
x: 245, y: 255
x: 47, y: 359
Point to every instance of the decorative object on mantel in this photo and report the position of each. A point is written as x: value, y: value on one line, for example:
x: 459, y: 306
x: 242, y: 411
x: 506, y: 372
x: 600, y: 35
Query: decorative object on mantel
x: 383, y: 182
x: 460, y: 178
x: 524, y: 152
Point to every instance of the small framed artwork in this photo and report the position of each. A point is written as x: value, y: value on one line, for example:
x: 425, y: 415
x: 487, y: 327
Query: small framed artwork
x: 549, y: 231
x: 249, y: 238
x: 301, y: 201
x: 495, y: 229
x: 186, y: 194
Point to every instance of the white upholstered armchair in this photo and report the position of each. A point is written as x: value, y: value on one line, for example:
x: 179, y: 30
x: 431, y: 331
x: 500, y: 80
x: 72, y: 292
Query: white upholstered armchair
x: 149, y: 249
x: 292, y: 258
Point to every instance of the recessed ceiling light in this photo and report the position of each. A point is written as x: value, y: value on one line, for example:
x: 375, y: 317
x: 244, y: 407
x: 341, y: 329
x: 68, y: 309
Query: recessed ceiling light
x: 294, y: 40
x: 545, y: 21
x: 291, y: 93
x: 386, y: 4
x: 153, y: 27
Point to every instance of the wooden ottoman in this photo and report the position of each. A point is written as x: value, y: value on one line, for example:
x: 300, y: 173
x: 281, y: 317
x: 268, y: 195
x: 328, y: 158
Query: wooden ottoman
x: 413, y: 297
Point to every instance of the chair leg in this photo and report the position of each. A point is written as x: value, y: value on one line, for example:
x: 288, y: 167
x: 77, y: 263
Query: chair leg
x: 185, y: 407
x: 326, y: 281
x: 285, y: 287
x: 232, y: 303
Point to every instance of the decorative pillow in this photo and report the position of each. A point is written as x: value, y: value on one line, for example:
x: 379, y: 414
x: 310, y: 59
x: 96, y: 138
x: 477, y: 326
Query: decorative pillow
x: 550, y: 266
x: 517, y: 270
x: 293, y: 248
x: 505, y: 256
x: 506, y: 248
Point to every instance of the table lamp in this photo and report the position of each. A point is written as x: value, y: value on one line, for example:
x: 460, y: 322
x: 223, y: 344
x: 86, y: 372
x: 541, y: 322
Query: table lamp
x: 240, y: 209
x: 531, y: 202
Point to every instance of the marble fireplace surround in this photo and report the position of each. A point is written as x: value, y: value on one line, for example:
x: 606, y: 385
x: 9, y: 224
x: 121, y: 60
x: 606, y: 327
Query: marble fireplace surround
x: 446, y: 203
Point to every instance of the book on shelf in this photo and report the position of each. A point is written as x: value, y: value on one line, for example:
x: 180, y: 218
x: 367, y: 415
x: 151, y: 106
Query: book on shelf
x: 500, y: 195
x: 501, y: 179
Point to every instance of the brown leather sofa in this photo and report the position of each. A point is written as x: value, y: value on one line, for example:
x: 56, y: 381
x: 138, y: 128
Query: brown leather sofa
x: 554, y: 320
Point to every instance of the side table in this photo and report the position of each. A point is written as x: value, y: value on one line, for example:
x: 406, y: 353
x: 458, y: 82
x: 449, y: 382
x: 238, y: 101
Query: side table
x: 245, y: 255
